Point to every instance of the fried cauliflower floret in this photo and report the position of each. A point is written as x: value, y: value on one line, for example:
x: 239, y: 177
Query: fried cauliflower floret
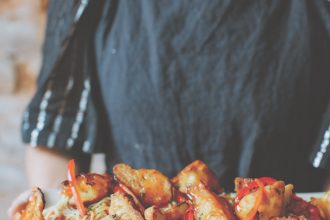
x: 207, y: 205
x: 323, y: 204
x: 153, y: 213
x: 273, y: 203
x: 92, y: 187
x: 270, y: 202
x: 122, y: 208
x: 34, y: 207
x: 150, y: 186
x: 195, y: 173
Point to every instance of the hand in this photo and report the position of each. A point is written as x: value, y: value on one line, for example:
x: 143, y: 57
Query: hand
x: 19, y: 203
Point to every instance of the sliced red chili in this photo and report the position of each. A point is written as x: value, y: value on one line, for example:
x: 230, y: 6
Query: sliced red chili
x: 189, y: 215
x: 74, y: 188
x: 267, y: 180
x: 179, y: 197
x: 119, y: 189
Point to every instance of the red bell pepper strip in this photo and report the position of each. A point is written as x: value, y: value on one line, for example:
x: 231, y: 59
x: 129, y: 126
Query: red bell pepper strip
x: 267, y: 180
x: 74, y: 188
x: 119, y: 189
x: 189, y: 215
x: 179, y: 197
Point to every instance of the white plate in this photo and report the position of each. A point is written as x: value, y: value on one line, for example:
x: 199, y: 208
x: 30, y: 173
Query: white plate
x: 307, y: 196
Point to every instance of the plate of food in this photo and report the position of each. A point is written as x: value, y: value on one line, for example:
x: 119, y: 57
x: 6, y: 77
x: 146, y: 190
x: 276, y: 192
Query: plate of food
x: 193, y: 194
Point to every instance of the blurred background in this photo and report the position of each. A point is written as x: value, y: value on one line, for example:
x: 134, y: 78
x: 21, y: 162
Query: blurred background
x: 22, y: 25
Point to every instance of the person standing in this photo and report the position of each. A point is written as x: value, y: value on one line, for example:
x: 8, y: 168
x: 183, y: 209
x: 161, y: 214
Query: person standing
x: 243, y: 86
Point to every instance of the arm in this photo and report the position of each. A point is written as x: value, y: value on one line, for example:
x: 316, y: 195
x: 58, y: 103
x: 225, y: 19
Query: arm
x: 45, y: 168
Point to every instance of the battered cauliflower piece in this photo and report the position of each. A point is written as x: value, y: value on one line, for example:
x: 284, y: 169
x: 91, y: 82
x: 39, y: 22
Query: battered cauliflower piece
x: 273, y: 203
x: 150, y: 186
x: 34, y: 207
x: 195, y: 173
x: 323, y: 204
x: 267, y: 201
x: 208, y: 206
x: 122, y: 208
x: 92, y: 187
